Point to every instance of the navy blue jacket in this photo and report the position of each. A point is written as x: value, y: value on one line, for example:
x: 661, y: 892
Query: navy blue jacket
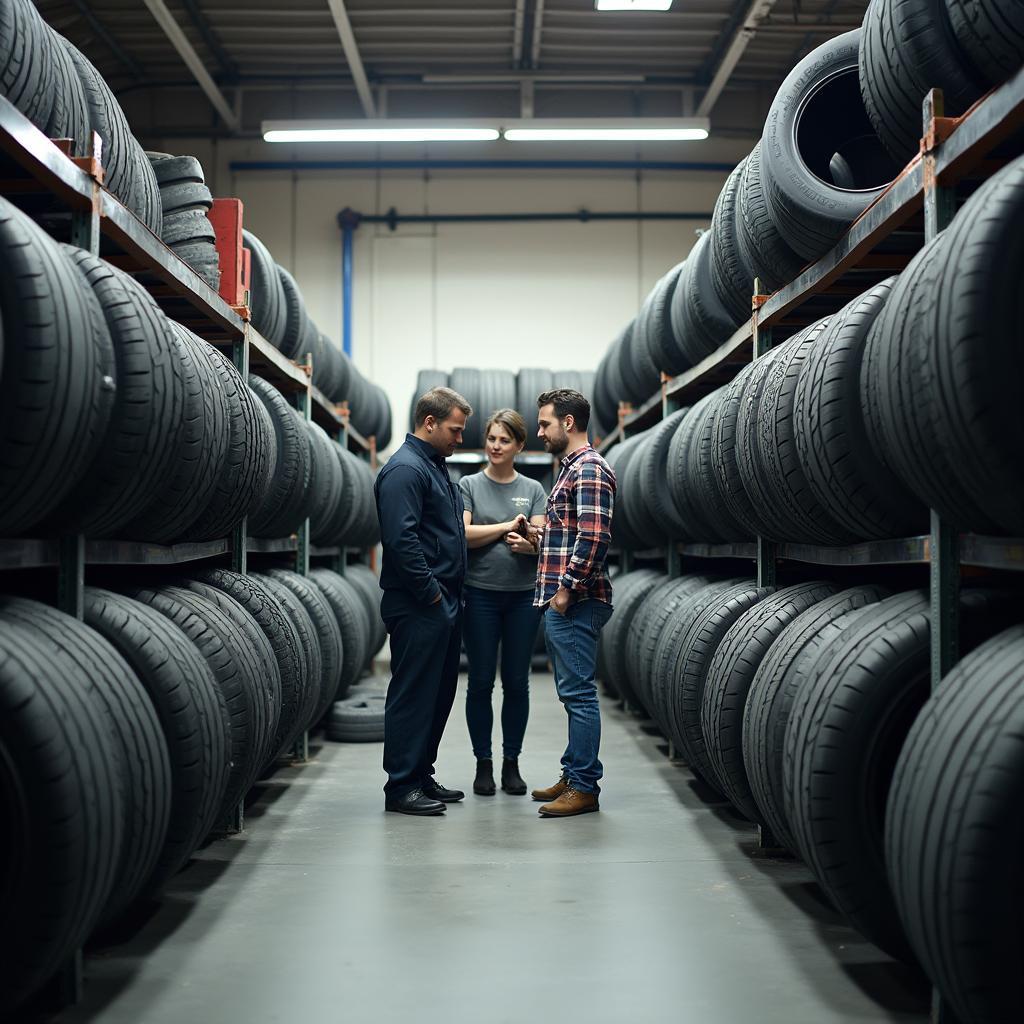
x: 421, y: 525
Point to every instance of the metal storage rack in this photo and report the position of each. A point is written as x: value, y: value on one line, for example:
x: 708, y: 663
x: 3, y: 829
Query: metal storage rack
x: 65, y: 194
x: 913, y: 210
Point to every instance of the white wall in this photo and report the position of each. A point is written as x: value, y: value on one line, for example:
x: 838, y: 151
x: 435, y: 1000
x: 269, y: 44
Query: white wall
x: 490, y: 295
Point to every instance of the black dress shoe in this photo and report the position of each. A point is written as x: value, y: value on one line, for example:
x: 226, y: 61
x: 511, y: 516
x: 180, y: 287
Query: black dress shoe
x: 432, y: 789
x: 511, y: 780
x: 414, y: 802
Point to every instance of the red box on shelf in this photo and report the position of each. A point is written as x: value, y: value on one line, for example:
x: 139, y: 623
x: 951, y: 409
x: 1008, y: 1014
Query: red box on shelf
x: 226, y: 217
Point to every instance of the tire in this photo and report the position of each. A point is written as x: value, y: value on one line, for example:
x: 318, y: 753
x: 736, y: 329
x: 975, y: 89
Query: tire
x: 637, y: 370
x: 191, y: 479
x: 730, y: 677
x: 27, y: 75
x: 187, y: 227
x: 326, y: 486
x: 327, y: 630
x: 184, y: 196
x: 237, y: 669
x: 530, y: 384
x: 689, y: 679
x: 700, y: 322
x: 266, y: 295
x: 731, y: 276
x: 369, y: 585
x: 145, y: 426
x: 848, y: 723
x: 309, y: 650
x: 191, y: 711
x: 636, y: 504
x: 384, y: 424
x: 349, y: 610
x: 69, y: 118
x: 933, y: 370
x: 497, y: 390
x: 275, y: 624
x: 56, y: 385
x: 681, y: 485
x: 991, y: 34
x: 426, y: 380
x: 766, y: 448
x: 651, y: 474
x: 466, y: 381
x: 623, y: 533
x: 246, y: 471
x: 952, y: 832
x: 605, y: 403
x: 359, y: 720
x: 297, y: 324
x: 630, y: 591
x: 174, y: 170
x: 766, y: 253
x: 840, y: 466
x: 776, y: 682
x: 654, y: 321
x: 283, y: 510
x: 139, y: 746
x: 58, y: 756
x: 907, y: 48
x: 816, y: 117
x: 352, y: 498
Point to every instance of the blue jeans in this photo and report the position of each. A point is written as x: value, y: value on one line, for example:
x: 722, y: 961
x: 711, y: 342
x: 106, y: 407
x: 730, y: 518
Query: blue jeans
x: 509, y: 617
x: 572, y: 644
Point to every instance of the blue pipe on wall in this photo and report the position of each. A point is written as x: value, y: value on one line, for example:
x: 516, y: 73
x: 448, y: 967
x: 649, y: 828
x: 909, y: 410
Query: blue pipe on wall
x: 478, y: 165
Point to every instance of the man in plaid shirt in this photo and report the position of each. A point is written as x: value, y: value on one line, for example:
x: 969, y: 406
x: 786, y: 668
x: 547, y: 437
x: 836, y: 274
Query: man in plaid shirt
x: 573, y: 588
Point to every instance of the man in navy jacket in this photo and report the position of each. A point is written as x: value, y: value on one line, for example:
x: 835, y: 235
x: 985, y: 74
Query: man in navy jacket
x: 422, y: 573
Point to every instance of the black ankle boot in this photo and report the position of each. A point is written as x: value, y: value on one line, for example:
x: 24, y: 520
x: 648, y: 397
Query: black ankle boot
x: 483, y: 784
x: 511, y: 780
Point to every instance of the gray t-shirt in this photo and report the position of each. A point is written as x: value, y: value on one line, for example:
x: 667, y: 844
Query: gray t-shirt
x: 496, y: 566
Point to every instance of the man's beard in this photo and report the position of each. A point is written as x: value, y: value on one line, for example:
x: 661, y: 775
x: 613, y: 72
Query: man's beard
x: 559, y: 445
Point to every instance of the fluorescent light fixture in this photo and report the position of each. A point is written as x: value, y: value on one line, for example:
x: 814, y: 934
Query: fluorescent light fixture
x: 594, y: 129
x: 379, y: 131
x: 633, y: 5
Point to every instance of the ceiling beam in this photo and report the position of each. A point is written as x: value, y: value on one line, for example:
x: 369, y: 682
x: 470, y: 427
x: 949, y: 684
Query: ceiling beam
x: 752, y: 13
x: 101, y: 33
x: 193, y: 62
x: 517, y: 33
x: 355, y: 62
x: 209, y: 37
x: 538, y: 28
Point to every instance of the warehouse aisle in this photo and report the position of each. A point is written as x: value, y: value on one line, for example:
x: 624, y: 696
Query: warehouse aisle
x: 655, y: 909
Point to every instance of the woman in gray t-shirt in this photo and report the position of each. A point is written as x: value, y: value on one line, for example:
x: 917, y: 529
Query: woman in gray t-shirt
x: 499, y: 503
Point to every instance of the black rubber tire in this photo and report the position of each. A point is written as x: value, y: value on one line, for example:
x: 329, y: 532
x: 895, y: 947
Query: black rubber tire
x: 730, y: 677
x: 635, y: 502
x: 58, y: 756
x: 770, y: 700
x: 328, y: 632
x: 991, y: 34
x: 326, y: 487
x: 359, y: 720
x: 497, y: 391
x: 236, y: 667
x: 817, y: 114
x: 150, y: 404
x: 764, y: 249
x: 185, y: 227
x: 907, y: 48
x: 627, y: 665
x: 127, y: 173
x: 283, y: 509
x: 426, y: 380
x: 69, y: 117
x: 699, y: 320
x: 27, y: 75
x: 173, y: 170
x: 352, y: 498
x: 246, y: 470
x: 941, y: 380
x: 630, y: 591
x: 197, y: 460
x: 266, y: 296
x: 349, y: 610
x: 848, y: 724
x: 604, y: 402
x: 56, y: 384
x: 364, y: 530
x: 690, y: 673
x: 652, y: 472
x: 368, y: 583
x: 839, y: 464
x: 530, y: 383
x: 654, y: 321
x: 138, y: 740
x: 190, y: 708
x: 466, y: 381
x: 731, y: 276
x: 681, y: 485
x: 297, y: 322
x: 624, y: 536
x: 180, y: 196
x: 766, y: 449
x: 953, y: 832
x: 309, y: 649
x: 264, y: 608
x: 637, y: 367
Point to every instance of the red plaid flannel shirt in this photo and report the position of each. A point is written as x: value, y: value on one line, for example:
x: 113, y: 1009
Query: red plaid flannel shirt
x: 578, y: 531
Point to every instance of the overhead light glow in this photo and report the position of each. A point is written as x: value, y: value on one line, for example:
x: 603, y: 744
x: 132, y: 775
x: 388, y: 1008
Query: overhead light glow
x: 637, y: 129
x: 633, y: 5
x: 377, y: 131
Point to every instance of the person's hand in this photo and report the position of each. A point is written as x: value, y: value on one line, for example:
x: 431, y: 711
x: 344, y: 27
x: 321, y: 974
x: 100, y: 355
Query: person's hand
x: 561, y: 601
x: 518, y: 525
x: 519, y: 544
x: 536, y: 534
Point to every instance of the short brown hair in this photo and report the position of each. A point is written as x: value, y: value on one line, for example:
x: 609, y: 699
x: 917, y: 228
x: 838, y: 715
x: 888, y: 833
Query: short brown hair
x: 511, y: 421
x: 567, y: 402
x: 439, y: 402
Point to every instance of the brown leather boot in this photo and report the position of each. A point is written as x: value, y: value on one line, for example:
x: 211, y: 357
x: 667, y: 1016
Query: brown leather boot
x: 571, y: 802
x: 552, y: 792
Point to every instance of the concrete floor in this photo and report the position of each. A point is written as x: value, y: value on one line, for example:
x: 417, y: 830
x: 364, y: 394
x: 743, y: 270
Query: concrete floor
x: 659, y: 908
